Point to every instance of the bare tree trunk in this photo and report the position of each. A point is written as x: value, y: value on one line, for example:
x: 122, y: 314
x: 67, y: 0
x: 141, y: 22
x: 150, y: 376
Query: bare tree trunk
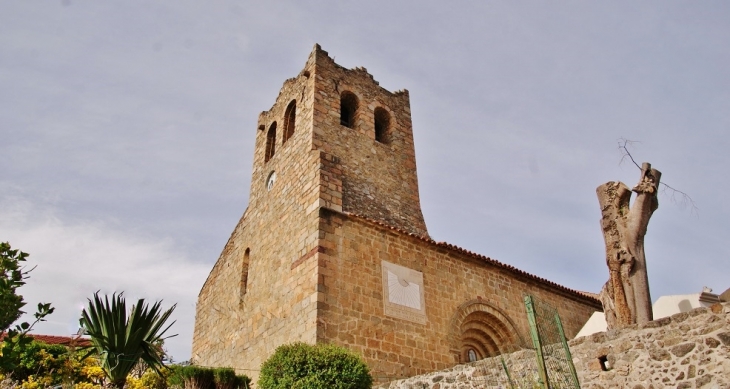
x: 625, y: 297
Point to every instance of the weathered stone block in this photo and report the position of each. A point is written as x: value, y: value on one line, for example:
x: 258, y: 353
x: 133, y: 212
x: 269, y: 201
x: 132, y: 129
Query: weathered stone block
x: 716, y: 308
x: 704, y: 380
x: 682, y: 349
x: 712, y: 342
x: 659, y: 354
x: 724, y: 338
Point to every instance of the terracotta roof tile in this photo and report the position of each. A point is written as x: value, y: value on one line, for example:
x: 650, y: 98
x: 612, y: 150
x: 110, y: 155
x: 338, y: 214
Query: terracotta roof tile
x: 55, y: 339
x: 585, y: 295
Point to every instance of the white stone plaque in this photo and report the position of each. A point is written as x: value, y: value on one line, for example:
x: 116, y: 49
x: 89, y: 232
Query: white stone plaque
x: 403, y: 295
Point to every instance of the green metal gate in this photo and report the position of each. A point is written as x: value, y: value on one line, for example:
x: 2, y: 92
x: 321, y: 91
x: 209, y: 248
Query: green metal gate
x: 554, y: 362
x: 544, y: 363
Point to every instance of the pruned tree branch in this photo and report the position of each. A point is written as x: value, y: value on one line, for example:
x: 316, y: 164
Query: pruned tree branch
x: 676, y: 196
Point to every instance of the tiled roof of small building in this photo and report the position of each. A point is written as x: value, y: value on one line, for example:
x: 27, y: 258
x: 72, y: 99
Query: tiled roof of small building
x: 55, y: 339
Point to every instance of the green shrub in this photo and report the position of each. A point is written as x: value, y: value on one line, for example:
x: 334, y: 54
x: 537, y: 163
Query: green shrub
x: 302, y: 366
x: 196, y: 377
x: 39, y: 359
x: 174, y: 379
x: 224, y: 378
x: 152, y: 380
x: 243, y: 381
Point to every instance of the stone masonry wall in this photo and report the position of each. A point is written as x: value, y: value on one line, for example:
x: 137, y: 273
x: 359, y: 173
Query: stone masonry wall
x: 455, y: 283
x: 687, y: 350
x: 240, y: 325
x: 379, y: 179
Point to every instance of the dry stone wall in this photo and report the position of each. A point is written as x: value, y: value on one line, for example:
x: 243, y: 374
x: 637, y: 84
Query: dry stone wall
x: 687, y: 350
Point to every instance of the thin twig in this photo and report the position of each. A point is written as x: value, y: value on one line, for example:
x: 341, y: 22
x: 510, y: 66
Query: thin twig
x: 622, y: 143
x: 684, y: 199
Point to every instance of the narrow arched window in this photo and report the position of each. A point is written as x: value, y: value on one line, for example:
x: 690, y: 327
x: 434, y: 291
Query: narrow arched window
x: 471, y: 355
x: 270, y: 142
x: 290, y: 117
x: 382, y: 125
x: 348, y: 109
x: 244, y: 273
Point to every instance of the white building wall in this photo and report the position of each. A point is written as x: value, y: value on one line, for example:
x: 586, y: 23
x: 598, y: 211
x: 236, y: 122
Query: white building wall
x: 664, y: 306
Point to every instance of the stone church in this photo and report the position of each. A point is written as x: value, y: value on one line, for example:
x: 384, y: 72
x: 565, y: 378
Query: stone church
x: 333, y: 246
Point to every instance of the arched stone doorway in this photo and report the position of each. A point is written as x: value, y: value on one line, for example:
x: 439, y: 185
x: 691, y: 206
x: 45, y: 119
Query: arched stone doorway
x: 480, y: 330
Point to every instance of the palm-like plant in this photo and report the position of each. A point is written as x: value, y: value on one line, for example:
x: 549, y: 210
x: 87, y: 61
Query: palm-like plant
x: 120, y: 341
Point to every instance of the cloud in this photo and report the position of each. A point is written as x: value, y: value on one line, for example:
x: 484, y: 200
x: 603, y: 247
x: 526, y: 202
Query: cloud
x: 74, y: 259
x: 128, y: 131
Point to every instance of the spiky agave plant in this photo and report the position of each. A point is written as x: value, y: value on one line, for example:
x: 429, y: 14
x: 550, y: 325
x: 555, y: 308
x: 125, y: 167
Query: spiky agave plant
x: 119, y: 341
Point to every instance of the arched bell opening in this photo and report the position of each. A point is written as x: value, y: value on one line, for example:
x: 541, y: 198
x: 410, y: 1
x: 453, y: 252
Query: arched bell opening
x: 348, y: 109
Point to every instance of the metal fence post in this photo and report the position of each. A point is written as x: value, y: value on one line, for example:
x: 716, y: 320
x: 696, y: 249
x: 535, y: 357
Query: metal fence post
x: 567, y: 350
x: 506, y: 371
x: 536, y: 342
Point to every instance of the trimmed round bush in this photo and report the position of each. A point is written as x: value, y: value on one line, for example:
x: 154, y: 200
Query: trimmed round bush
x: 324, y: 366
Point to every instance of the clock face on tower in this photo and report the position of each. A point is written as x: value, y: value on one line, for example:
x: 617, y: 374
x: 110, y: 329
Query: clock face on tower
x: 403, y: 295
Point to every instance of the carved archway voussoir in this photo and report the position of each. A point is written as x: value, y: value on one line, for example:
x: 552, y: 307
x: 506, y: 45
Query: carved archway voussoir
x: 502, y: 328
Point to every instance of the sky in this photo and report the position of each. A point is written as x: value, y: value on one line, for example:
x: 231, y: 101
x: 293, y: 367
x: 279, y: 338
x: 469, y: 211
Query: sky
x: 127, y: 132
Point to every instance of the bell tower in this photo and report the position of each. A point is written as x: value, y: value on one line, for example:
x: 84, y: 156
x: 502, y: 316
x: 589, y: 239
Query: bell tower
x: 365, y: 133
x: 369, y: 130
x: 333, y: 143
